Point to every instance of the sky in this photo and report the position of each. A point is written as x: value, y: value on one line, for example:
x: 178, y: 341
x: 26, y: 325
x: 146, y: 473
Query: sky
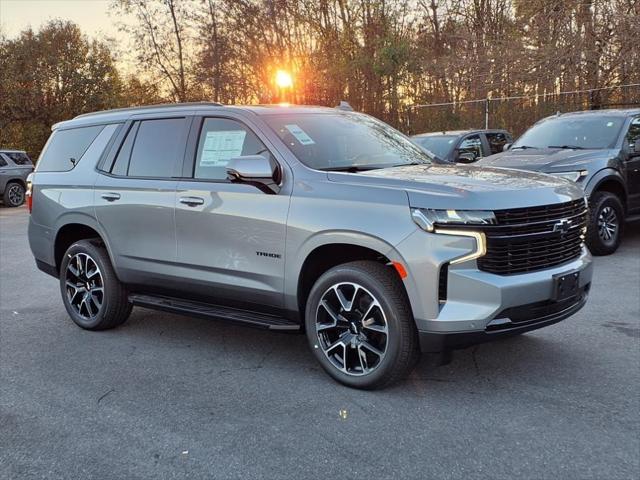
x: 91, y: 15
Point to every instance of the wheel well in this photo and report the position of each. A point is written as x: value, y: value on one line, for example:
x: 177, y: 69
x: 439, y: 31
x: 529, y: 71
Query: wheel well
x: 615, y: 187
x: 70, y: 234
x: 16, y: 180
x: 328, y: 256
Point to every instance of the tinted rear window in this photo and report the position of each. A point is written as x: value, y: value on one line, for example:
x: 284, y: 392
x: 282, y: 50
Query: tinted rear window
x: 157, y: 146
x: 19, y: 158
x: 65, y: 148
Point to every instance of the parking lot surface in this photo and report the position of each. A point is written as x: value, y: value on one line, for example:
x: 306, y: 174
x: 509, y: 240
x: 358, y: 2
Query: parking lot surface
x: 166, y: 396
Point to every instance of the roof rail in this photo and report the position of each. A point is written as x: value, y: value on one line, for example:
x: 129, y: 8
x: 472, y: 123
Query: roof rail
x: 145, y: 107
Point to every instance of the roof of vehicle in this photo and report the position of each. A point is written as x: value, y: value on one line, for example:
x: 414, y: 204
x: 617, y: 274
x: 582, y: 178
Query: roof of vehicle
x: 458, y: 133
x: 610, y: 112
x: 122, y: 114
x: 10, y: 150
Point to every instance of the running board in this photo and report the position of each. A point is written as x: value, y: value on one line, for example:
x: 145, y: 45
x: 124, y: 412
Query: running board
x: 205, y: 310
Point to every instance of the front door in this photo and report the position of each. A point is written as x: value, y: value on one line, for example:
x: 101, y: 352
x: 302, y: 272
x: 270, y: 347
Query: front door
x: 230, y: 236
x: 633, y: 165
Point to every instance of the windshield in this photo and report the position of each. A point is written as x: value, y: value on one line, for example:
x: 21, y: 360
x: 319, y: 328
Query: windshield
x: 344, y: 141
x: 441, y: 145
x: 577, y: 131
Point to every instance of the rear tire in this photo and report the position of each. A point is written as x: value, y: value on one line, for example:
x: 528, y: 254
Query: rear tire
x: 360, y: 327
x: 92, y: 294
x: 14, y: 194
x: 606, y: 223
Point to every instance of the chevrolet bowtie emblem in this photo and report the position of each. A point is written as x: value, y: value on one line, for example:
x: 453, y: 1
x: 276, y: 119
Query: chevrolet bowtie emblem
x: 562, y: 226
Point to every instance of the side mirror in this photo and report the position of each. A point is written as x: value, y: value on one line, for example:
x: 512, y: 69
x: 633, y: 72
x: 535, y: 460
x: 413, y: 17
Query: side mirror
x: 506, y: 146
x: 466, y: 157
x: 254, y: 170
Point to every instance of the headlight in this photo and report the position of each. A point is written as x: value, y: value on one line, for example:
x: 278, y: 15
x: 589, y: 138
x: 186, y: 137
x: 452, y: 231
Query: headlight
x: 427, y: 218
x: 573, y: 176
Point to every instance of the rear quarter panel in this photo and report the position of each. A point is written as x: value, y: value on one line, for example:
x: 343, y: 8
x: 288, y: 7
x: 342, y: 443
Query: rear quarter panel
x: 60, y: 198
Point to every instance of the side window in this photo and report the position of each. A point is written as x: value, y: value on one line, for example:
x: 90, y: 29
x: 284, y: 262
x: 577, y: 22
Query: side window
x: 65, y: 148
x: 3, y: 162
x: 157, y: 146
x: 121, y: 163
x: 497, y: 140
x: 220, y: 140
x: 633, y: 135
x: 19, y: 158
x: 471, y: 144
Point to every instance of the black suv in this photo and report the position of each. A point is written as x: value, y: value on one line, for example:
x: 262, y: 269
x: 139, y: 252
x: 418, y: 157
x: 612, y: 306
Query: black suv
x: 464, y: 146
x: 598, y: 150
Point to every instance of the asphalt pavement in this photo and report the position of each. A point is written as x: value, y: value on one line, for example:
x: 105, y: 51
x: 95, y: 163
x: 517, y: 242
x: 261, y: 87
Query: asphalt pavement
x: 166, y: 396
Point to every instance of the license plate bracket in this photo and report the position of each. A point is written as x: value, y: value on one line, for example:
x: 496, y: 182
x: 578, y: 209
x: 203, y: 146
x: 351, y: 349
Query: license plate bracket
x: 566, y: 285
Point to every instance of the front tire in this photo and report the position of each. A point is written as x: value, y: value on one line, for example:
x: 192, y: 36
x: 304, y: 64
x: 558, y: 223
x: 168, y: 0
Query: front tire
x: 606, y: 222
x: 359, y: 325
x: 92, y: 294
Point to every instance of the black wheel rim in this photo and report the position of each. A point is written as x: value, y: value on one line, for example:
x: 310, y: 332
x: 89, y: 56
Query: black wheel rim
x: 16, y: 195
x: 608, y: 225
x: 352, y: 329
x: 84, y: 286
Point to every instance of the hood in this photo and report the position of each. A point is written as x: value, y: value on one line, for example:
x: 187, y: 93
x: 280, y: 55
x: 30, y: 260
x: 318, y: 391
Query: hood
x: 466, y: 186
x: 547, y: 159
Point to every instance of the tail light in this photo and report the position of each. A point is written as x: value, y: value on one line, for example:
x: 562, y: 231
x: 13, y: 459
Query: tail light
x: 29, y: 193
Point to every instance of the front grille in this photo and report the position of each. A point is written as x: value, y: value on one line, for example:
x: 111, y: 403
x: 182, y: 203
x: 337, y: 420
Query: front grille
x: 534, y: 238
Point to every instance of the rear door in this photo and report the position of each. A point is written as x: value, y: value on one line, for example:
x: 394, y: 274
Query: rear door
x: 135, y: 197
x: 230, y: 236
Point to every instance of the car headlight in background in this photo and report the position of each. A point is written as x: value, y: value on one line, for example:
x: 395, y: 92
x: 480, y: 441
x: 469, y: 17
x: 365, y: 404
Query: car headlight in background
x: 427, y: 218
x: 573, y: 176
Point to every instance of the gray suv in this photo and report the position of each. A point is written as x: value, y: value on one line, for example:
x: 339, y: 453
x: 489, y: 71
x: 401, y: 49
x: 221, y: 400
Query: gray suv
x: 303, y: 219
x: 15, y: 167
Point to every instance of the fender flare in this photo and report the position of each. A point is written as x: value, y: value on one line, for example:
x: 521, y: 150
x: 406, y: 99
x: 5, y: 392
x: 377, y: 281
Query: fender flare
x: 295, y: 261
x: 81, y: 218
x: 603, y: 175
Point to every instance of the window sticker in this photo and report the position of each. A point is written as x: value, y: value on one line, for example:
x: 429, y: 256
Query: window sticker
x: 300, y: 134
x: 221, y: 146
x: 609, y: 124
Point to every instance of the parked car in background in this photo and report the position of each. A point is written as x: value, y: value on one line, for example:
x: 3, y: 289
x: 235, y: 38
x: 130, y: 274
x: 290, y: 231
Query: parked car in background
x: 307, y: 219
x: 15, y: 166
x: 598, y: 150
x: 464, y: 146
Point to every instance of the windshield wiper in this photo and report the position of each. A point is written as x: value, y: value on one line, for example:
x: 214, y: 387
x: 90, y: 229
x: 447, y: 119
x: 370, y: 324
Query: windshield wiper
x: 408, y: 164
x: 568, y: 147
x: 350, y: 168
x: 522, y: 147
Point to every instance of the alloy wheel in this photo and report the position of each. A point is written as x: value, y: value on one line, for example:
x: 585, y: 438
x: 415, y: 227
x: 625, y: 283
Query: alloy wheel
x: 16, y: 195
x: 352, y: 328
x: 608, y: 224
x: 84, y: 285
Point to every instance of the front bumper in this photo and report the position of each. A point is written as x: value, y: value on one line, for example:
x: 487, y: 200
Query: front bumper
x: 481, y: 306
x: 522, y: 319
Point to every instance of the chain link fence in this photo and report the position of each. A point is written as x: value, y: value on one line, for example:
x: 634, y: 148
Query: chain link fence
x: 517, y: 113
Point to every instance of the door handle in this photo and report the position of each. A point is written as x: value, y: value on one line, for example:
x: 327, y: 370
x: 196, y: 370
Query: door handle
x: 192, y: 201
x: 111, y: 196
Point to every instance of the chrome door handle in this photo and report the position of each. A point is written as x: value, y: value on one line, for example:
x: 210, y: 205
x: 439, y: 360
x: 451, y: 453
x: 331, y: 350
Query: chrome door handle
x: 192, y: 201
x: 111, y: 196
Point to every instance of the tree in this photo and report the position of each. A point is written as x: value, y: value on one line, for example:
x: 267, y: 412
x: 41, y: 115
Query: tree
x: 161, y: 36
x: 52, y: 75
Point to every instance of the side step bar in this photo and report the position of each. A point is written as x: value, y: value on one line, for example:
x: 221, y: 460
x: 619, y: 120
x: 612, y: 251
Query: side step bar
x: 205, y: 310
